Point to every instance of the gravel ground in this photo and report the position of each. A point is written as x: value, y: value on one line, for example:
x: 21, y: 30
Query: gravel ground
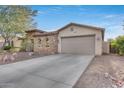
x: 94, y: 75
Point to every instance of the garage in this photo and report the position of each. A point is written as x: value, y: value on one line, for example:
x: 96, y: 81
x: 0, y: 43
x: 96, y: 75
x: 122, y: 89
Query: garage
x: 80, y: 39
x: 78, y: 45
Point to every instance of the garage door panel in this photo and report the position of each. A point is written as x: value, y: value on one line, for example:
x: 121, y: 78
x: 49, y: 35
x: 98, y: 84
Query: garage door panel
x: 78, y: 45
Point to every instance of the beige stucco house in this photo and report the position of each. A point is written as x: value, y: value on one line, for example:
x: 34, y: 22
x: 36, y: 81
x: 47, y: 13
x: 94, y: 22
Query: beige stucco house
x: 73, y: 39
x: 16, y: 42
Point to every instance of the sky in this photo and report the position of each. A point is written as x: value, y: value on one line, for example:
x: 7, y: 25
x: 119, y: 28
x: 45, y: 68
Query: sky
x: 53, y: 17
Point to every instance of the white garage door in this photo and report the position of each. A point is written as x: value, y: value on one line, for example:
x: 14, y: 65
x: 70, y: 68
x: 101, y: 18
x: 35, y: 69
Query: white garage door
x: 78, y: 45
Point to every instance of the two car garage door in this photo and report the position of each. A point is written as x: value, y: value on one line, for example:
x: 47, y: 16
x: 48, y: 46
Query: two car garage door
x: 78, y: 45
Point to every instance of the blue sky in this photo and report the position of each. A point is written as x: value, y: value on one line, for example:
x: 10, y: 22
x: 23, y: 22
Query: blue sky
x: 53, y: 17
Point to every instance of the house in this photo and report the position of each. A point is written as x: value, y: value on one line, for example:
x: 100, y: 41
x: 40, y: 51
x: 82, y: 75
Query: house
x: 73, y: 38
x: 16, y: 42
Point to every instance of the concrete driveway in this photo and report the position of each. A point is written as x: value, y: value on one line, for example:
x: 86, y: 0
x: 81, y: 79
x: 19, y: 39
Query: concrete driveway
x: 61, y: 70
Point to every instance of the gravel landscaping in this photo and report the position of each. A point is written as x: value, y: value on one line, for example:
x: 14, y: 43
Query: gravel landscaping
x: 18, y: 56
x: 106, y: 71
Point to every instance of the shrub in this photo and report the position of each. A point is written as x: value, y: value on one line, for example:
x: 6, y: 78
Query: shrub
x: 113, y: 46
x: 23, y: 45
x: 118, y: 45
x: 7, y: 47
x: 26, y: 45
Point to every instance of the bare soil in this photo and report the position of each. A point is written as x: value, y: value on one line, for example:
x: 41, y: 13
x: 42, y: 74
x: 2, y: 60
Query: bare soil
x: 94, y: 75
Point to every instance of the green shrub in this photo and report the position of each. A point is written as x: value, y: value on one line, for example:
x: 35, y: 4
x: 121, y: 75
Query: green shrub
x: 23, y: 45
x: 7, y: 47
x: 118, y: 44
x: 26, y: 45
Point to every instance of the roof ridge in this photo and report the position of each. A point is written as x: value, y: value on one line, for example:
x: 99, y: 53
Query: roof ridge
x: 84, y: 25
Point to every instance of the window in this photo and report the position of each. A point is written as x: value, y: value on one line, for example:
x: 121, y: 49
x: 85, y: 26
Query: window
x: 47, y: 39
x: 47, y: 43
x: 39, y: 41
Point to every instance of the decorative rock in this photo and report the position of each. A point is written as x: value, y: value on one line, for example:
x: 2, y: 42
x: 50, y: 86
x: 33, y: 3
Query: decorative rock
x: 114, y: 86
x: 120, y: 83
x: 106, y: 75
x: 14, y: 54
x: 30, y: 54
x: 12, y: 58
x: 5, y: 58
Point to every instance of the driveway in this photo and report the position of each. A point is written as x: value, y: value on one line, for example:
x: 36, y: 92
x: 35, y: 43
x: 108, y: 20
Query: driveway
x: 61, y: 70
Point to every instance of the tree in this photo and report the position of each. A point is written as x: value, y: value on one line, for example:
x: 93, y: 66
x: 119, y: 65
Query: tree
x: 120, y: 44
x: 113, y: 46
x: 15, y: 20
x: 117, y: 44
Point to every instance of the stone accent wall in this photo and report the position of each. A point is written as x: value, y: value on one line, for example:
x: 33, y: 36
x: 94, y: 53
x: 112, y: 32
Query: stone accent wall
x: 46, y: 44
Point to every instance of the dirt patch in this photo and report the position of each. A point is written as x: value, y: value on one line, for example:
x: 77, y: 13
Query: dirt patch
x: 94, y: 76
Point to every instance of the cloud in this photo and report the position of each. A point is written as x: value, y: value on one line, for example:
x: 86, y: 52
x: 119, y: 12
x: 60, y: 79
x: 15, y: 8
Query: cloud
x: 114, y: 16
x: 42, y: 12
x: 57, y: 8
x: 51, y: 10
x: 110, y: 16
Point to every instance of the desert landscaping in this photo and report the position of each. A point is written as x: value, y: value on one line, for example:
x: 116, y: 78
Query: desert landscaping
x: 7, y: 58
x: 106, y: 71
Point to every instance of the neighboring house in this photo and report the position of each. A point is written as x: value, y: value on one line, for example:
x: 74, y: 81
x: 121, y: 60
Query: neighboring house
x: 16, y: 42
x: 73, y: 38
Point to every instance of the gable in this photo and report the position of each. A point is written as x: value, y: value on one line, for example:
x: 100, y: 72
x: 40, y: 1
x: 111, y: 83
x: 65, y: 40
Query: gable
x: 77, y: 29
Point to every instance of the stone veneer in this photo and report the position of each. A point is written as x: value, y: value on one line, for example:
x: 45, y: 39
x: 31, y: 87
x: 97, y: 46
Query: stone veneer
x: 46, y: 44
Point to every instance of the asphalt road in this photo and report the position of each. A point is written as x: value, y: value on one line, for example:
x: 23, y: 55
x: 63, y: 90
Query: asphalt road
x: 54, y: 71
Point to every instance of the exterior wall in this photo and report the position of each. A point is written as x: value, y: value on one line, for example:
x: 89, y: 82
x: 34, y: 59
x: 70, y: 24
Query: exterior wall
x: 46, y: 44
x: 17, y: 43
x: 1, y: 42
x: 106, y: 48
x: 80, y: 31
x: 1, y: 39
x: 30, y: 40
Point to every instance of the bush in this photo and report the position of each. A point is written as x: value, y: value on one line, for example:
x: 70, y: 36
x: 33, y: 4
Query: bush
x: 118, y: 45
x: 26, y: 45
x: 7, y: 47
x: 23, y: 45
x: 113, y: 46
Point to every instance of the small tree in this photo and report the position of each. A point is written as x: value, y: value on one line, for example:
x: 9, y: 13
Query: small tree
x: 120, y: 44
x: 113, y: 46
x: 15, y: 20
x: 117, y: 45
